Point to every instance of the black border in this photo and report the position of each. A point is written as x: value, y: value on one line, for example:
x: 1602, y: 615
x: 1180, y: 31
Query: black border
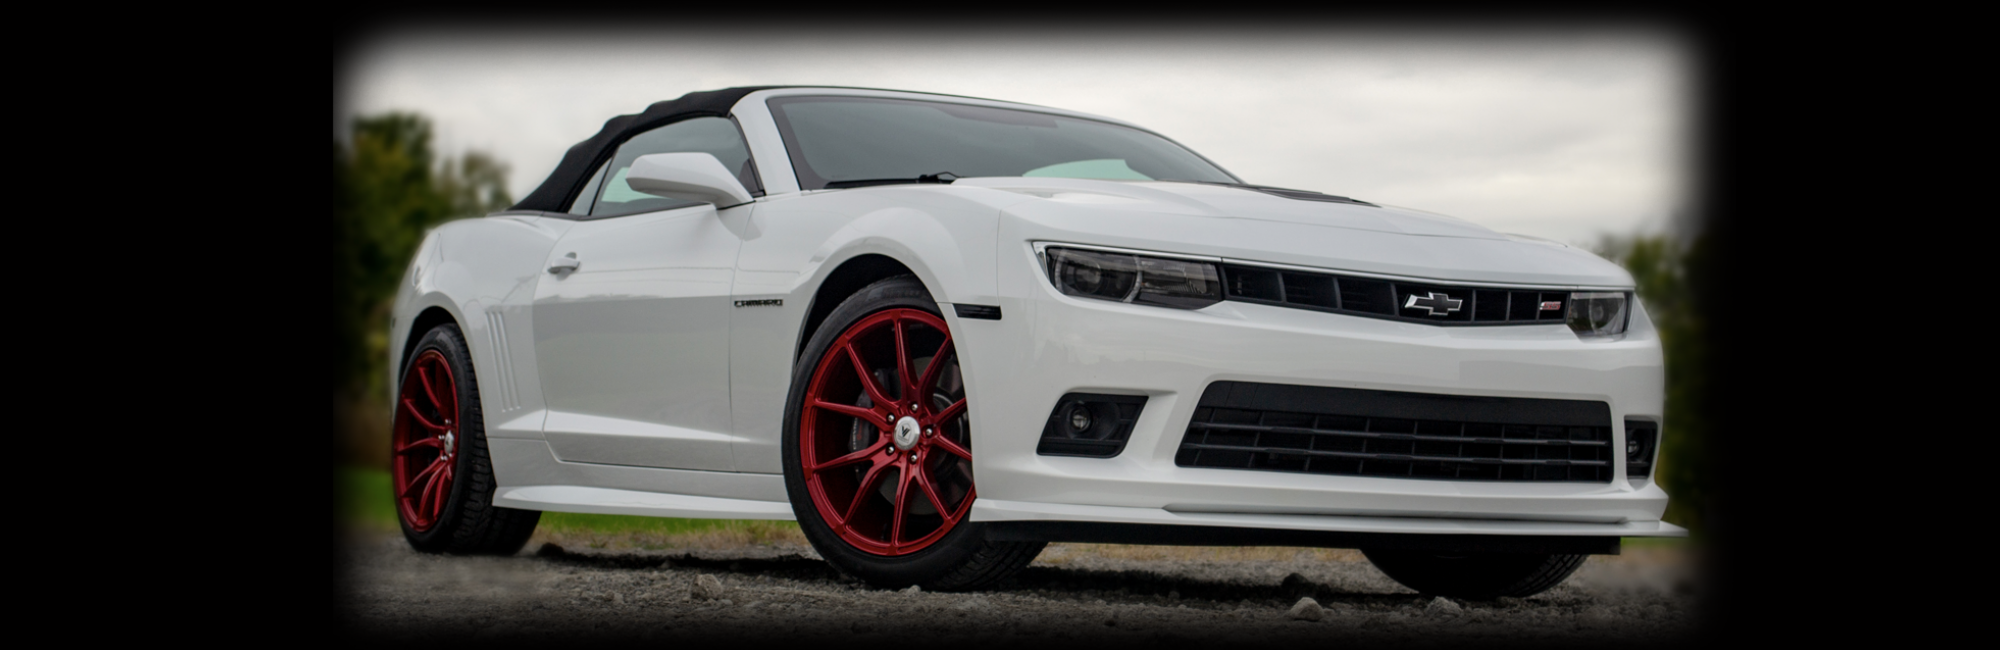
x: 1746, y: 112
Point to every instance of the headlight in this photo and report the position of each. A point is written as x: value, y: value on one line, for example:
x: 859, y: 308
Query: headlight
x: 1138, y: 279
x: 1597, y: 314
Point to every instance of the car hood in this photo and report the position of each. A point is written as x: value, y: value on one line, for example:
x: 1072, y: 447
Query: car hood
x: 1250, y: 225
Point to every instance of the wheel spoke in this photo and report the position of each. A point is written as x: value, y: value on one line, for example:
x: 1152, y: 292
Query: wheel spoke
x: 432, y: 443
x: 964, y: 504
x: 443, y: 492
x: 424, y: 379
x: 956, y: 409
x: 930, y: 492
x: 437, y: 493
x: 931, y: 372
x: 862, y: 492
x: 864, y: 413
x: 445, y: 392
x: 424, y: 494
x: 420, y: 477
x: 902, y: 500
x: 853, y: 458
x: 906, y: 382
x: 410, y: 405
x: 867, y: 380
x: 950, y: 447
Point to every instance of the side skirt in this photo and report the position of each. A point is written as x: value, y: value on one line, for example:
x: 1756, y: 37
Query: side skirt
x: 1175, y: 535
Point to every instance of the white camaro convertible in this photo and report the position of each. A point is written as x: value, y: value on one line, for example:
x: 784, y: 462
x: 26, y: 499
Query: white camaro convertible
x: 940, y: 332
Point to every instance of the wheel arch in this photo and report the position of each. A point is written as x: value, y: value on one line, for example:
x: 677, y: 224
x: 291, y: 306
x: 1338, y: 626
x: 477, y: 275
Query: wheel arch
x: 947, y: 244
x: 853, y: 274
x: 430, y: 317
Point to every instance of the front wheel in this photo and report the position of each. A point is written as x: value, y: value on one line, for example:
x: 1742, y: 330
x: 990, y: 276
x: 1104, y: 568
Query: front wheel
x: 440, y: 467
x: 878, y: 448
x: 1475, y: 576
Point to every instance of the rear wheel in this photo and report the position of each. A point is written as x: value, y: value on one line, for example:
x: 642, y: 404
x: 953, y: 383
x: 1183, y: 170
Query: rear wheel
x: 878, y: 449
x: 440, y: 468
x: 1475, y: 576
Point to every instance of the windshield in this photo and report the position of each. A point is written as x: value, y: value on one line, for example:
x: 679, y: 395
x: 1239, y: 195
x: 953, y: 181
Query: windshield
x: 834, y: 139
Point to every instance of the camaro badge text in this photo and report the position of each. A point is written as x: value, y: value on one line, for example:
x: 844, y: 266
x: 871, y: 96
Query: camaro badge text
x: 774, y: 302
x: 1434, y: 304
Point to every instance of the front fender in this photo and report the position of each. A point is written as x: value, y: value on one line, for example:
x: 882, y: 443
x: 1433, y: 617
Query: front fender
x: 945, y: 238
x: 482, y: 273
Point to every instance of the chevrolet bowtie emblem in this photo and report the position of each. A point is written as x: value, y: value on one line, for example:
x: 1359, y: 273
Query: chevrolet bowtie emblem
x: 1435, y: 304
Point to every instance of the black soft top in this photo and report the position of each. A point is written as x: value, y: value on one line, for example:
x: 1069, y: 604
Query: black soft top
x: 560, y: 188
x: 556, y: 193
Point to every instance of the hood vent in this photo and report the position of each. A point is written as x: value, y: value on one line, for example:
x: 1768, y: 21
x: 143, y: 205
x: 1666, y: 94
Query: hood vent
x: 1307, y: 195
x: 1302, y: 195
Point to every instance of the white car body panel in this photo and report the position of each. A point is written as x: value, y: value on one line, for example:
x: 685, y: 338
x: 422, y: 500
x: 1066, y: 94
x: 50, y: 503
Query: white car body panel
x: 630, y: 344
x: 544, y: 483
x: 634, y: 385
x: 940, y: 237
x: 482, y: 273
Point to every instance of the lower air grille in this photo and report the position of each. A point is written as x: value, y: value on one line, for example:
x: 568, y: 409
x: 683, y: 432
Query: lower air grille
x: 1279, y: 428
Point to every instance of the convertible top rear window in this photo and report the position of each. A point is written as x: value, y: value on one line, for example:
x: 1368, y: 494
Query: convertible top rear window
x: 832, y: 139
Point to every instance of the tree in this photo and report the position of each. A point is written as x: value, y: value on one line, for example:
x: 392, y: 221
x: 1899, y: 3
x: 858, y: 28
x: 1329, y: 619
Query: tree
x: 389, y: 190
x: 1666, y: 274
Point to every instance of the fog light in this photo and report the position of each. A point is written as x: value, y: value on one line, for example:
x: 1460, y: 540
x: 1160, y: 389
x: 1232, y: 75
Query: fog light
x: 1090, y: 425
x: 1079, y: 418
x: 1642, y: 438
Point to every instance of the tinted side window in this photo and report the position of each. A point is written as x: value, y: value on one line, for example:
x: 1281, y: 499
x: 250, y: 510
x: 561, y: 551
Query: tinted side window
x: 581, y: 206
x: 717, y: 136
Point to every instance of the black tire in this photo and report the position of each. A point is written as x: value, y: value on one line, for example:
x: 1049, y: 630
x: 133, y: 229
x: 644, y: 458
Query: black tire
x: 469, y: 523
x: 1475, y: 576
x: 963, y: 559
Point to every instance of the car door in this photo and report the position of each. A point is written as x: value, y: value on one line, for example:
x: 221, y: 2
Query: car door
x: 632, y: 323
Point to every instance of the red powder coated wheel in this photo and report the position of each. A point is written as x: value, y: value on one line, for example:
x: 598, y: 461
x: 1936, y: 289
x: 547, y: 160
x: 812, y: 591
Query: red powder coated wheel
x: 426, y: 441
x: 878, y: 447
x: 440, y: 468
x: 883, y: 439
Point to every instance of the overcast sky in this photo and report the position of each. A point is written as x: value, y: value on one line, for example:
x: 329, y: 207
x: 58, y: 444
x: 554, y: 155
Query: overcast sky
x: 1562, y: 133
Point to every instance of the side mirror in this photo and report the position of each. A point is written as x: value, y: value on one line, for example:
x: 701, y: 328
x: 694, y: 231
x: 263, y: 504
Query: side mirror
x: 693, y: 176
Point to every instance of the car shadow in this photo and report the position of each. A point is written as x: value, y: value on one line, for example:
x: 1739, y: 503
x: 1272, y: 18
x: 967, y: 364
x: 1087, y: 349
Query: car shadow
x: 1120, y: 586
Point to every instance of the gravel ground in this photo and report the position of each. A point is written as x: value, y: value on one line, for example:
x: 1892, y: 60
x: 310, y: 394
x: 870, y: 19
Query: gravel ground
x: 1074, y: 594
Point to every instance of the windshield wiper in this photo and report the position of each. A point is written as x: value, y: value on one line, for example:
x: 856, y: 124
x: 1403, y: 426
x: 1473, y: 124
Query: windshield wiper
x: 940, y: 177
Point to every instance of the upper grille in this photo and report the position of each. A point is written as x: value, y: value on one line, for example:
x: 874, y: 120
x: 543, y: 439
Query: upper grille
x: 1391, y: 299
x: 1271, y: 427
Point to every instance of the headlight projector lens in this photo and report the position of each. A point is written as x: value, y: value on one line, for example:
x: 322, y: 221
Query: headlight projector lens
x: 1597, y: 314
x: 1160, y: 281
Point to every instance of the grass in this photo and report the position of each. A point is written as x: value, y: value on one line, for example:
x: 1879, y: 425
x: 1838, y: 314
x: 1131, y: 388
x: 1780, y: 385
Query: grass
x: 366, y: 504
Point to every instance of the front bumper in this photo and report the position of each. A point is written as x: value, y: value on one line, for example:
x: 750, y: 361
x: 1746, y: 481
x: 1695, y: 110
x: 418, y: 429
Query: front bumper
x: 1048, y: 344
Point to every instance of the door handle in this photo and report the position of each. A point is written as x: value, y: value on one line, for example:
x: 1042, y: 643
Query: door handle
x: 565, y: 264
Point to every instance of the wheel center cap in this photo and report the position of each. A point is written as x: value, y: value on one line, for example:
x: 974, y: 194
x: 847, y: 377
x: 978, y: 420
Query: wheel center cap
x: 907, y: 432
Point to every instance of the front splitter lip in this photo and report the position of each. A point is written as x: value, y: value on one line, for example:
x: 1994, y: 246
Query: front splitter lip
x: 988, y: 510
